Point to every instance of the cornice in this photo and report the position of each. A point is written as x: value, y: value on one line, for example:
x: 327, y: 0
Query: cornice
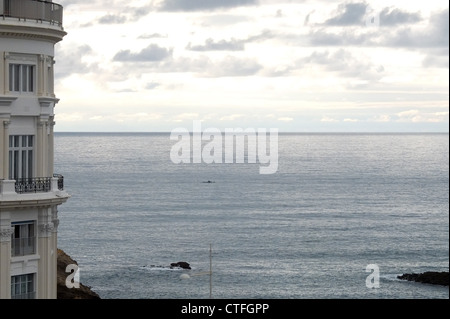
x: 7, y: 100
x: 31, y: 31
x: 32, y: 203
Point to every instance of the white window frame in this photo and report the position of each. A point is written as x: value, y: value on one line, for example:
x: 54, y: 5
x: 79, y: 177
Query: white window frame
x: 23, y: 238
x: 22, y: 77
x: 23, y: 286
x: 21, y: 156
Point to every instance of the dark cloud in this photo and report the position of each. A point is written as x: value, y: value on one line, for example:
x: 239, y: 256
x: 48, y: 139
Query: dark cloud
x: 321, y: 37
x: 345, y: 64
x: 435, y: 35
x: 358, y: 14
x: 152, y: 85
x: 234, y: 66
x: 202, y: 66
x: 112, y: 19
x: 196, y: 5
x: 68, y: 63
x: 153, y: 53
x: 390, y: 17
x: 404, y: 32
x: 222, y: 45
x: 349, y: 14
x: 232, y: 44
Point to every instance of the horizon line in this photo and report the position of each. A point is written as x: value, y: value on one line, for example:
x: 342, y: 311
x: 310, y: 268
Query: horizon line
x: 282, y: 132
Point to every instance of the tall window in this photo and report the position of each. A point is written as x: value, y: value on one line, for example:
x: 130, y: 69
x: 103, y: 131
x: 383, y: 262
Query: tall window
x: 23, y: 287
x: 6, y: 8
x: 21, y: 78
x: 20, y: 156
x: 23, y: 239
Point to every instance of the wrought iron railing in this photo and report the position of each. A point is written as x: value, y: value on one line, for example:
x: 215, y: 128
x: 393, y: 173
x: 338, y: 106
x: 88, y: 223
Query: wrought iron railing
x: 60, y: 181
x: 37, y: 184
x: 28, y: 295
x: 33, y: 185
x: 32, y: 9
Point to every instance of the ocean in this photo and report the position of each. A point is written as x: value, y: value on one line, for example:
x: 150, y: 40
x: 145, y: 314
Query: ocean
x: 342, y: 216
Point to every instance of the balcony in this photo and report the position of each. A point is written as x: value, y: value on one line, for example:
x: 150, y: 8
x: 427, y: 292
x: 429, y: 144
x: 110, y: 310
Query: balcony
x: 37, y: 184
x: 28, y: 295
x: 32, y: 10
x: 23, y: 246
x: 32, y: 192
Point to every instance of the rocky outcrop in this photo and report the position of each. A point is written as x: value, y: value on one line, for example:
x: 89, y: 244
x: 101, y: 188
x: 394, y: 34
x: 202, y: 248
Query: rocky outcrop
x: 180, y: 264
x: 63, y: 292
x: 429, y: 277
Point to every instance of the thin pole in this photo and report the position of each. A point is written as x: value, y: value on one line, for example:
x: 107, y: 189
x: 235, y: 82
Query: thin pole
x: 210, y: 271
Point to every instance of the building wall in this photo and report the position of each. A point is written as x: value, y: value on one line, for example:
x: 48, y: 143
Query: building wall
x: 29, y: 113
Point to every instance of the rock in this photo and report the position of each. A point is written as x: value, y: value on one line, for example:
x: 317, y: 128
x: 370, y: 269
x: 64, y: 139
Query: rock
x: 63, y: 292
x: 181, y: 264
x: 429, y: 277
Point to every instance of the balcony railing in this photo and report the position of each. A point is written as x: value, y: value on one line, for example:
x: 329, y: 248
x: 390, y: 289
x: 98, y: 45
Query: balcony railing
x: 32, y: 9
x: 23, y: 246
x: 60, y: 181
x: 28, y: 295
x: 33, y: 185
x: 37, y: 184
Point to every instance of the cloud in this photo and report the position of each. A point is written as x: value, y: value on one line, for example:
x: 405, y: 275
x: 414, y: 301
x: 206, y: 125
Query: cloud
x: 417, y: 116
x: 70, y: 117
x: 382, y: 118
x: 152, y: 85
x: 152, y: 36
x: 328, y: 120
x: 112, y: 19
x: 222, y: 45
x: 350, y: 27
x: 186, y: 116
x: 434, y: 35
x: 395, y: 16
x: 71, y: 62
x: 349, y: 14
x: 345, y: 64
x: 153, y: 53
x: 322, y: 37
x: 196, y: 5
x: 436, y: 58
x: 233, y: 66
x: 285, y: 119
x: 231, y: 117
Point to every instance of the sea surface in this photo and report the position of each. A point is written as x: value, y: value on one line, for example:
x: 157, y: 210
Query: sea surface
x: 343, y: 215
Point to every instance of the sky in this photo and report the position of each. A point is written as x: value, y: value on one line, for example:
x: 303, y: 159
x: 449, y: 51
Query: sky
x: 292, y: 65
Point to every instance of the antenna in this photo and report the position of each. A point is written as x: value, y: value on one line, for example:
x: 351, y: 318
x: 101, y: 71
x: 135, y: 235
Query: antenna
x: 210, y: 271
x: 186, y: 276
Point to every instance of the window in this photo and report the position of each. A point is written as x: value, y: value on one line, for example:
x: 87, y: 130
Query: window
x: 22, y: 287
x: 21, y: 78
x: 20, y: 156
x: 23, y: 239
x: 6, y: 8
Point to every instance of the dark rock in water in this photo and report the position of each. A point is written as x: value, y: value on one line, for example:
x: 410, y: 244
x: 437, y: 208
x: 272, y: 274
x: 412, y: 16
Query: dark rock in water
x: 429, y: 277
x: 181, y: 264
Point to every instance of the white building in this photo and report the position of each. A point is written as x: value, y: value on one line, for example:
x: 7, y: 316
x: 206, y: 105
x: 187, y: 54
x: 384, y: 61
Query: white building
x: 30, y: 192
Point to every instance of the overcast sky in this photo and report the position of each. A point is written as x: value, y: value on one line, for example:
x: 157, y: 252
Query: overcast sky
x: 299, y: 66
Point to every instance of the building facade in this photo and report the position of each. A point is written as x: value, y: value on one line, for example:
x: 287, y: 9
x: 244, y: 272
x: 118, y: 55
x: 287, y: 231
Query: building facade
x: 30, y: 191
